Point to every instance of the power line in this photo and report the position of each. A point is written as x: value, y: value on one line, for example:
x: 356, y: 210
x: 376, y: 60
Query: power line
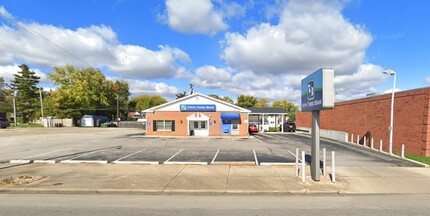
x: 42, y: 36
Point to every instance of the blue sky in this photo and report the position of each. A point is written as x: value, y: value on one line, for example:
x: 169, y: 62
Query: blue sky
x: 252, y: 47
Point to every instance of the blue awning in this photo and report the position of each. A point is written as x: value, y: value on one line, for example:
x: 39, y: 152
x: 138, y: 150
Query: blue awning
x: 230, y: 115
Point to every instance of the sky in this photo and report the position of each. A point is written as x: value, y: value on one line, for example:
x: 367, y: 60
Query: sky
x: 261, y: 48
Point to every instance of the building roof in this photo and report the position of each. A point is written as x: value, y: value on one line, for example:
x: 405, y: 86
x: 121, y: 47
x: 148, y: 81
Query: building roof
x: 266, y: 110
x: 152, y: 109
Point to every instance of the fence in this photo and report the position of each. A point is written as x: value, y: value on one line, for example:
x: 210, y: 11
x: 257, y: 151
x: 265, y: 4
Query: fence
x: 132, y: 124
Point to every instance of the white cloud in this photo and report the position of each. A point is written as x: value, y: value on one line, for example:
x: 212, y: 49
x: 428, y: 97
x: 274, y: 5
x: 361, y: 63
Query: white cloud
x: 197, y: 16
x: 310, y: 34
x: 94, y: 45
x: 428, y: 80
x: 138, y: 87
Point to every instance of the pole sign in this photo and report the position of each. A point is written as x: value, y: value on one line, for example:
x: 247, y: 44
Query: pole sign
x: 318, y: 90
x: 197, y: 107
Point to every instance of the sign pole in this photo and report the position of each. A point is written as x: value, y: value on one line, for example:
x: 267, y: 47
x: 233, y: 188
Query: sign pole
x: 315, y: 165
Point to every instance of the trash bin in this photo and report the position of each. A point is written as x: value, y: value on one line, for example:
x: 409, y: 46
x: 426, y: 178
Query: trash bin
x: 191, y: 132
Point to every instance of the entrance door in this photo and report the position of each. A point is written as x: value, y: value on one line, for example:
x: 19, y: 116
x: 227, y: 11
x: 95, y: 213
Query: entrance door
x: 226, y: 127
x: 199, y: 128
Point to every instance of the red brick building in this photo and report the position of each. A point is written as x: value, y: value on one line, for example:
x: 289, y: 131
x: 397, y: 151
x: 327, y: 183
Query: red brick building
x: 198, y: 115
x: 370, y: 117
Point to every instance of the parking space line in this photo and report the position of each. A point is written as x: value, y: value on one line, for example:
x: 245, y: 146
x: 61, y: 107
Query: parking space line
x: 128, y: 155
x: 216, y: 154
x: 255, y: 157
x: 173, y: 156
x: 137, y: 162
x: 85, y: 154
x: 258, y: 139
x: 295, y: 156
x: 44, y: 153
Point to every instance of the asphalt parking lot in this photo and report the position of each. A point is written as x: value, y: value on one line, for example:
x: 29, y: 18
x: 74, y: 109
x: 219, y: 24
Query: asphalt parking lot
x: 131, y: 146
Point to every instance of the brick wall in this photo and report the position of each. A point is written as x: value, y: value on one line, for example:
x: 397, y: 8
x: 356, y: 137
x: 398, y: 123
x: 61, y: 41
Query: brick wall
x: 181, y: 124
x: 370, y: 117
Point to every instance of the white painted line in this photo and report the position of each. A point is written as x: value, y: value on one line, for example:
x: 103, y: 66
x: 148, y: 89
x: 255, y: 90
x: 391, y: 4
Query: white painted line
x: 137, y: 162
x: 216, y: 154
x: 278, y: 164
x: 44, y: 161
x: 255, y: 157
x: 185, y: 163
x: 44, y: 153
x: 173, y: 156
x: 258, y: 140
x: 85, y: 154
x: 129, y: 155
x: 295, y: 156
x: 19, y: 161
x: 83, y: 161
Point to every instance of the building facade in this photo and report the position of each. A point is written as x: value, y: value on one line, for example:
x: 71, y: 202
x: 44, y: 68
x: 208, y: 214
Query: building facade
x: 370, y: 117
x: 197, y: 115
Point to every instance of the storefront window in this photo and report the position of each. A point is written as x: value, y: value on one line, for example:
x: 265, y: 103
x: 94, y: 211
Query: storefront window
x: 203, y: 125
x: 196, y: 124
x: 165, y: 125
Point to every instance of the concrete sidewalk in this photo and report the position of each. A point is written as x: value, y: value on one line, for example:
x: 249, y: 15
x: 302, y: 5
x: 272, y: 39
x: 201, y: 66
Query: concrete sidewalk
x: 218, y: 179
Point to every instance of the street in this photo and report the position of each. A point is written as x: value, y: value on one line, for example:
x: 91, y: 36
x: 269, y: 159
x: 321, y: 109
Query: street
x: 122, y: 204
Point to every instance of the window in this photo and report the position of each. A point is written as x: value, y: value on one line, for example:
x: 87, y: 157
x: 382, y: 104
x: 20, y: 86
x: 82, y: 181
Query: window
x: 235, y: 126
x: 196, y: 124
x: 164, y: 125
x: 203, y: 125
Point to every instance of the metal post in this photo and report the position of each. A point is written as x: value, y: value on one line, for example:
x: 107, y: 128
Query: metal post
x: 403, y: 151
x: 315, y: 151
x: 392, y: 116
x: 371, y: 143
x: 15, y: 95
x: 297, y: 162
x: 303, y: 167
x: 333, y: 167
x: 352, y: 138
x: 41, y: 101
x: 365, y: 143
x: 324, y: 162
x: 380, y: 146
x: 117, y: 110
x: 358, y: 139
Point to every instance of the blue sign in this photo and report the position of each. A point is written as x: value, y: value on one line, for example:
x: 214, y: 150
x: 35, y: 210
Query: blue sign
x: 318, y: 90
x: 197, y: 107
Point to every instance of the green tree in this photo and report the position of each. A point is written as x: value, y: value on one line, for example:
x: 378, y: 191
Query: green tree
x: 144, y: 102
x: 25, y: 82
x: 225, y: 98
x: 262, y: 103
x: 2, y: 90
x: 85, y: 91
x: 289, y: 108
x: 246, y: 101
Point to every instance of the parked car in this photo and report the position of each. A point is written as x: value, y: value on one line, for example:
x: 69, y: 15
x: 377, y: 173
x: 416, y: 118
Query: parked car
x: 253, y: 128
x: 289, y: 127
x: 4, y: 123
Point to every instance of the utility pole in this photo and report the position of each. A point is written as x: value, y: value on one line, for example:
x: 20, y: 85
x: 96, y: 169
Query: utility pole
x: 15, y: 95
x: 117, y: 110
x: 41, y: 101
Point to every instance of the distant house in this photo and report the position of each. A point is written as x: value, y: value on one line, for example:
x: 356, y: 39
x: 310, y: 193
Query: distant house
x: 137, y: 116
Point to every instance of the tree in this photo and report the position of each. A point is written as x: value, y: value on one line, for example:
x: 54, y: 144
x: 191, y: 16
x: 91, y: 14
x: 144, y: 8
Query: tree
x: 225, y: 98
x: 25, y: 82
x: 144, y: 102
x: 246, y: 101
x: 262, y: 103
x: 85, y: 91
x: 2, y: 90
x: 289, y: 108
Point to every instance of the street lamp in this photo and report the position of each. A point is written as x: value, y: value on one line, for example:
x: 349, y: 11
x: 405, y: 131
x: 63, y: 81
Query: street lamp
x: 15, y: 95
x: 391, y: 73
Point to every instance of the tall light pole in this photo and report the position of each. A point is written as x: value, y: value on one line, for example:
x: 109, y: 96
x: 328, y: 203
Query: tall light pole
x: 15, y: 95
x: 391, y: 73
x: 41, y: 101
